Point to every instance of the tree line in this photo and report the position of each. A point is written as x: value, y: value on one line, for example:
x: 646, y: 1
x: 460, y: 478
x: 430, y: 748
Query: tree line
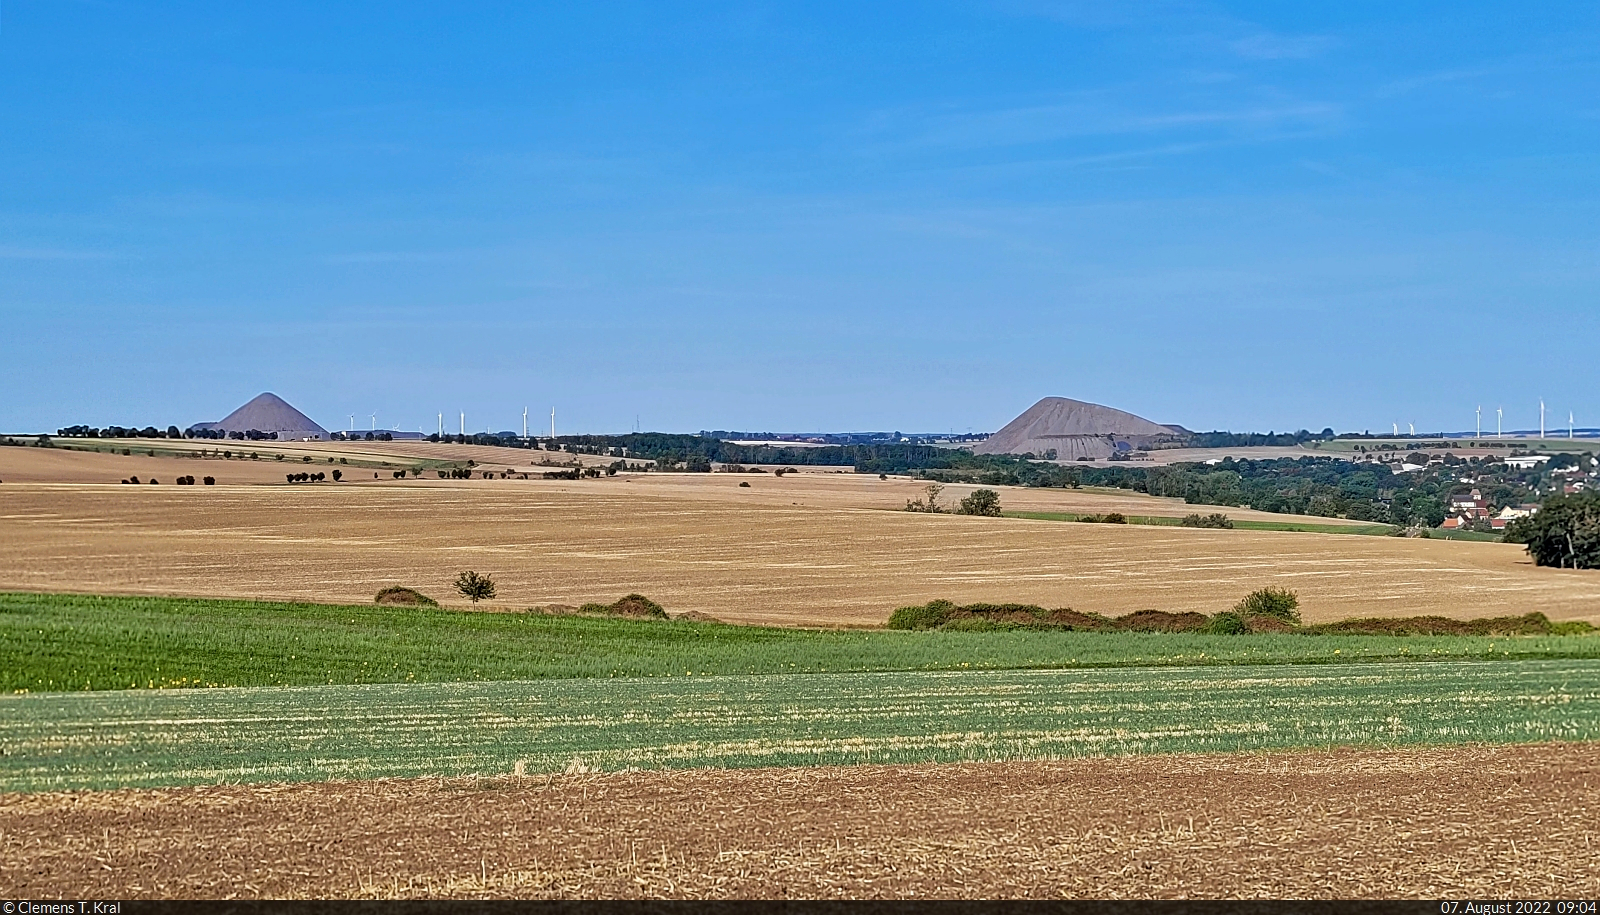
x: 82, y: 431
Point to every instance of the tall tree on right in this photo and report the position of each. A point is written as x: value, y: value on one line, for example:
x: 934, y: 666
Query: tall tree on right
x: 1564, y: 533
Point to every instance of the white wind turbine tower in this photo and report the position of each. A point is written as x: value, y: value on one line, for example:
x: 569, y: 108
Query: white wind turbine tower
x: 1396, y: 429
x: 552, y: 422
x: 374, y: 422
x: 524, y: 422
x: 1479, y: 433
x: 1541, y: 419
x: 441, y: 425
x: 463, y: 422
x: 1413, y: 428
x: 1499, y: 414
x: 352, y: 422
x: 1569, y: 425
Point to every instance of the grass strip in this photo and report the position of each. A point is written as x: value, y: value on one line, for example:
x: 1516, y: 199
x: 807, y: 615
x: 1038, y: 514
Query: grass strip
x: 183, y: 737
x: 65, y: 642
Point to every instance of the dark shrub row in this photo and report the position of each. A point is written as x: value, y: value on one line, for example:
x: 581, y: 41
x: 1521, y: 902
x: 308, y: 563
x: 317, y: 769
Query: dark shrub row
x: 1267, y: 610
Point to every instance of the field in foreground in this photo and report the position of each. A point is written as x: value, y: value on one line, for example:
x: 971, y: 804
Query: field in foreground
x: 62, y: 642
x: 1469, y: 821
x: 185, y: 737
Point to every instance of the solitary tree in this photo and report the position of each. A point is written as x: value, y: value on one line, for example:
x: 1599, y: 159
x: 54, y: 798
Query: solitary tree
x: 474, y: 586
x: 930, y: 503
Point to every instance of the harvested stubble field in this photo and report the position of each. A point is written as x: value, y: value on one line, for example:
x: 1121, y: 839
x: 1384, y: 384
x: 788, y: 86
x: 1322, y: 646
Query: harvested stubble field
x: 198, y: 736
x: 1460, y: 822
x: 809, y: 549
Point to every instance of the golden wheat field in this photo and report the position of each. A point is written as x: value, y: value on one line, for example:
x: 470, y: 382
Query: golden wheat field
x: 814, y: 548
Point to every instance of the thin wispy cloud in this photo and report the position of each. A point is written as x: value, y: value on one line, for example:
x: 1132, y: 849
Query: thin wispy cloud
x: 393, y: 257
x: 1200, y: 24
x: 14, y: 252
x: 1044, y: 124
x: 1267, y: 46
x: 1113, y: 14
x: 1413, y: 83
x: 1138, y: 157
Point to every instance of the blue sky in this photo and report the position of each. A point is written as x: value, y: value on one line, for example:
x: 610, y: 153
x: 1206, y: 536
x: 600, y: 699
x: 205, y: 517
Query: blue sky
x: 800, y: 216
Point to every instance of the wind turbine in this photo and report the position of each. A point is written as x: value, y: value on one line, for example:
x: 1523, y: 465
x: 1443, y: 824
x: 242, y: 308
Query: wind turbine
x: 1479, y: 433
x: 1413, y: 428
x: 352, y: 422
x: 1499, y: 414
x: 441, y: 425
x: 524, y: 422
x: 463, y: 422
x: 374, y: 422
x: 552, y: 422
x: 1541, y: 419
x: 1396, y: 429
x: 1569, y: 425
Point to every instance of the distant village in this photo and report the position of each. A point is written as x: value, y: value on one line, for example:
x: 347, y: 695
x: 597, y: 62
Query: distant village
x: 1495, y: 482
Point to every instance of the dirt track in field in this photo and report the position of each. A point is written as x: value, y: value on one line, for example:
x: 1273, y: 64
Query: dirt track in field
x: 1500, y: 822
x: 806, y: 549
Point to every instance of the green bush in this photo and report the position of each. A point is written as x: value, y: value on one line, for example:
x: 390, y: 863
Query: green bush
x: 635, y: 606
x: 931, y: 615
x: 1277, y: 602
x: 1114, y: 518
x: 985, y: 502
x: 980, y: 624
x: 1227, y: 624
x: 1214, y: 520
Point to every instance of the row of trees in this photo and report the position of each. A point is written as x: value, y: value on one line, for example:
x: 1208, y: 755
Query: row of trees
x: 169, y: 432
x: 317, y: 477
x: 119, y: 432
x: 1257, y: 439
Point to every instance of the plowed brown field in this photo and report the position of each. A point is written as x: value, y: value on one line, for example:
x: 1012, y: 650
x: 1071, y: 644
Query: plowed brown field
x: 1495, y: 822
x: 804, y: 549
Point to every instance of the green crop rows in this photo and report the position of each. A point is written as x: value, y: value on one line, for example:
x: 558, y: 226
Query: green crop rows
x: 72, y: 642
x: 177, y: 737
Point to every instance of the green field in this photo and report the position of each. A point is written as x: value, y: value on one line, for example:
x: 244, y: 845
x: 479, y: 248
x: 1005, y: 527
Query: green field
x: 179, y: 737
x: 1349, y: 527
x: 1477, y: 536
x: 52, y: 643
